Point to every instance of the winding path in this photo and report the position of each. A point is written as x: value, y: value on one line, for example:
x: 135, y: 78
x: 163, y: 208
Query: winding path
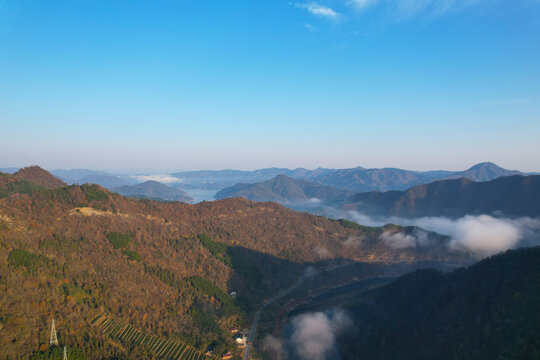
x: 268, y: 302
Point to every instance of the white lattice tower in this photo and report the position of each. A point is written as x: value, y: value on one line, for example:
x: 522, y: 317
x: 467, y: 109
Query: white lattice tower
x: 65, y: 353
x: 54, y: 338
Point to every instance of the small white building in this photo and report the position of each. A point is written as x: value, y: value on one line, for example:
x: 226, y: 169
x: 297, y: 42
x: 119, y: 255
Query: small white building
x: 240, y: 339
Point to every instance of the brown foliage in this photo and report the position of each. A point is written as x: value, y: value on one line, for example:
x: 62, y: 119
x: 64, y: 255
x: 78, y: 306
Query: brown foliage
x: 85, y: 276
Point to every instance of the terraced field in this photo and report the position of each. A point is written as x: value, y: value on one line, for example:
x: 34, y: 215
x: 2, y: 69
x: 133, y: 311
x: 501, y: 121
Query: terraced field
x: 164, y: 349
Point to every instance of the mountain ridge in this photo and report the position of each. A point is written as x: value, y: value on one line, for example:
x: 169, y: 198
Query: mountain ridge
x: 514, y: 195
x: 358, y: 179
x: 39, y: 176
x: 285, y: 190
x: 81, y: 251
x: 153, y: 190
x: 486, y: 311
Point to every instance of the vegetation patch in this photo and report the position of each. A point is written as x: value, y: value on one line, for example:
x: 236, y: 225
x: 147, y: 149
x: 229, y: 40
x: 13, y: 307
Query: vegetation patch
x: 9, y: 185
x: 119, y: 240
x: 351, y: 225
x: 217, y: 249
x: 232, y: 259
x: 131, y: 255
x: 94, y: 192
x: 31, y: 262
x: 207, y: 287
x: 166, y: 276
x: 57, y: 353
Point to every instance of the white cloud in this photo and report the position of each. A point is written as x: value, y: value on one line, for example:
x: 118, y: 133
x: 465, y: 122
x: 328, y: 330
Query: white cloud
x: 361, y: 4
x: 162, y: 178
x: 273, y: 344
x: 319, y: 10
x: 353, y: 241
x: 323, y: 253
x: 314, y: 334
x: 485, y: 235
x: 482, y: 234
x: 409, y: 8
x: 309, y: 27
x: 398, y: 240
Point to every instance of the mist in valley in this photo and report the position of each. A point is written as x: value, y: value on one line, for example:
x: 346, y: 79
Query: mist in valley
x: 483, y: 234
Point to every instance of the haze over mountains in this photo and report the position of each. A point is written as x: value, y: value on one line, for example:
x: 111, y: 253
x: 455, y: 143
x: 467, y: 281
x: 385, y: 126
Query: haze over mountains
x: 153, y: 190
x: 515, y: 195
x: 356, y: 179
x: 320, y: 186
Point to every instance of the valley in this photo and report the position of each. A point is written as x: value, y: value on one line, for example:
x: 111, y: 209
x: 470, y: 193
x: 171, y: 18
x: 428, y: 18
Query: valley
x: 164, y: 269
x: 270, y: 180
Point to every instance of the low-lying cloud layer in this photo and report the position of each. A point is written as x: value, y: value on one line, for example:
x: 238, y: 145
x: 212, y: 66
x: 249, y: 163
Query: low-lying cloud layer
x: 314, y: 334
x: 273, y: 345
x: 482, y: 234
x: 321, y: 252
x: 162, y: 178
x: 403, y: 241
x: 312, y: 337
x: 398, y: 240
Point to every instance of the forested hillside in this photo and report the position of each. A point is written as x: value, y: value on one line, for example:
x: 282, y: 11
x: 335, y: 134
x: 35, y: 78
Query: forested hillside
x: 285, y: 190
x: 490, y: 310
x: 164, y: 269
x: 515, y: 195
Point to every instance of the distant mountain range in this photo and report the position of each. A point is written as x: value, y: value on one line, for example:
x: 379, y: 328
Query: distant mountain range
x: 357, y: 179
x: 153, y: 190
x: 487, y: 311
x: 285, y: 190
x: 232, y: 183
x: 515, y: 195
x: 360, y: 179
x: 220, y: 179
x: 102, y: 178
x: 512, y: 195
x: 9, y: 170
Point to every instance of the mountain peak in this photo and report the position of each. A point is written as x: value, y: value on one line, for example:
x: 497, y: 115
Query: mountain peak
x: 483, y: 165
x: 282, y: 177
x: 486, y: 171
x: 39, y: 176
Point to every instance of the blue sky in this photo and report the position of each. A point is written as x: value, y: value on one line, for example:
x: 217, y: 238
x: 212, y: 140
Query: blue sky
x: 192, y: 84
